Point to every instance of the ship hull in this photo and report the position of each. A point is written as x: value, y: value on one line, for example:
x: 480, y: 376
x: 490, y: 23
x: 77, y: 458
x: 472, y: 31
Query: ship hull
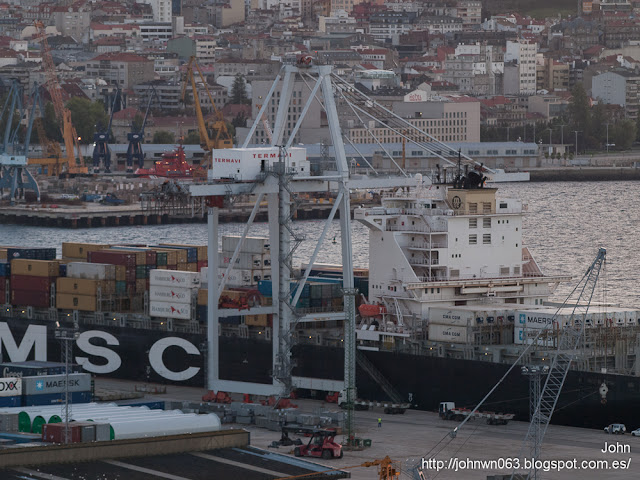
x: 178, y: 358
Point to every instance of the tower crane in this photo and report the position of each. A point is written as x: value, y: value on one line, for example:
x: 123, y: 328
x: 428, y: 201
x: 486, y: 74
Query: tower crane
x: 136, y: 138
x: 74, y: 164
x: 101, y: 150
x: 213, y: 134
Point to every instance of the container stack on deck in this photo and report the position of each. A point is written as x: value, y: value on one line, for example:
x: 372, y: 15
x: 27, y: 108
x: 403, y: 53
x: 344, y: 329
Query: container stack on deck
x: 32, y: 280
x: 252, y: 264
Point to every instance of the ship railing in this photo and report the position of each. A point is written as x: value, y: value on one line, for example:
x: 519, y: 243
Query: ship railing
x: 424, y: 262
x: 427, y: 245
x: 327, y: 309
x: 482, y: 212
x: 475, y: 277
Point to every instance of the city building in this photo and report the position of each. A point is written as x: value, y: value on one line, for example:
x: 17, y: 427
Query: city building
x: 125, y: 69
x: 520, y: 67
x: 618, y: 87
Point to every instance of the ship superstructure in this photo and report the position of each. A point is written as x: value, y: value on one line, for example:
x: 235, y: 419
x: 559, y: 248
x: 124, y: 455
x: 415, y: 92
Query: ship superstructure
x: 446, y: 246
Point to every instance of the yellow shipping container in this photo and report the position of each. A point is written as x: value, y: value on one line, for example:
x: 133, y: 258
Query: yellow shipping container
x: 201, y: 249
x: 69, y: 301
x: 83, y: 286
x: 161, y: 267
x: 192, y: 267
x: 80, y: 250
x: 36, y: 268
x: 203, y: 298
x: 141, y: 285
x: 256, y: 320
x: 121, y: 273
x: 3, y: 253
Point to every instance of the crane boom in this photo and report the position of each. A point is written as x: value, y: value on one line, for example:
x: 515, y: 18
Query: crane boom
x: 63, y: 115
x: 219, y: 137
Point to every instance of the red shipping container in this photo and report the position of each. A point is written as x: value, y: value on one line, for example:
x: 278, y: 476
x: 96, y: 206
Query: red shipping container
x: 29, y: 282
x: 202, y: 264
x: 114, y: 258
x: 54, y: 433
x: 172, y: 267
x: 30, y: 298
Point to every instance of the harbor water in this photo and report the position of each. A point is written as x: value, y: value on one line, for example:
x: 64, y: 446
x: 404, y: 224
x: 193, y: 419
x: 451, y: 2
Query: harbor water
x: 564, y: 225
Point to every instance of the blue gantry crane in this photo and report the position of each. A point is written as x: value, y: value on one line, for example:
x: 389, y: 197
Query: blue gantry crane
x: 14, y: 175
x: 101, y: 150
x: 136, y: 138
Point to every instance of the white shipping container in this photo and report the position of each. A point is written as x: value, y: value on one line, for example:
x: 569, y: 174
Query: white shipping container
x: 248, y: 163
x: 448, y: 333
x: 448, y: 316
x: 526, y: 336
x: 91, y: 271
x: 10, y: 387
x: 174, y: 278
x: 170, y: 310
x: 534, y: 320
x: 245, y: 261
x: 170, y: 294
x: 253, y: 245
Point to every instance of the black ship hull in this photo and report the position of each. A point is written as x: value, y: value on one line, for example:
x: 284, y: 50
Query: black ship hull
x: 178, y: 358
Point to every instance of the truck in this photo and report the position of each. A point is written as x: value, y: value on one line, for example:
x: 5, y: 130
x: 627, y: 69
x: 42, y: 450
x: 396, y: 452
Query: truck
x: 448, y: 411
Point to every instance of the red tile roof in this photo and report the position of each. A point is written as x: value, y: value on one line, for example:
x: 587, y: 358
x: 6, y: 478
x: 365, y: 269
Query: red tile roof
x: 121, y: 57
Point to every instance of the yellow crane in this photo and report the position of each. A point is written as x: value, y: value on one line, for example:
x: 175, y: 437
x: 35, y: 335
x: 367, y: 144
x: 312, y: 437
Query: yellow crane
x: 72, y: 164
x: 386, y: 470
x: 213, y: 133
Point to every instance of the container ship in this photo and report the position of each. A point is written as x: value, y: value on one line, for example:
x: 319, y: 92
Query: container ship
x: 450, y: 299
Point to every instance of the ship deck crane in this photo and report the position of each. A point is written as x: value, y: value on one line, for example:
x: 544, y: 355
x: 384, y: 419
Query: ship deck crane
x: 214, y: 133
x: 101, y: 150
x: 136, y: 138
x: 13, y: 154
x: 74, y: 164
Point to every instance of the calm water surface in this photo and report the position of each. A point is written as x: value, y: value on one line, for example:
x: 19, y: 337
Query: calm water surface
x: 565, y: 224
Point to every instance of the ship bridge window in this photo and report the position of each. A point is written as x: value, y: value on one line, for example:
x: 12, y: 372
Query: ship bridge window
x: 473, y: 208
x: 473, y: 239
x: 473, y: 223
x: 486, y: 222
x: 503, y: 205
x: 486, y: 239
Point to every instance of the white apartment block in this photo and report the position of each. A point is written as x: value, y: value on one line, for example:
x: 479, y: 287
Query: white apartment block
x: 161, y: 9
x: 523, y: 54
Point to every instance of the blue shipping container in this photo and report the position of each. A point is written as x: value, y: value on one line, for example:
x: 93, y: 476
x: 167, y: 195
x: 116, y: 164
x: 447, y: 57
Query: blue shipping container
x: 5, y: 269
x: 62, y: 269
x: 15, y: 401
x: 31, y: 253
x: 54, y: 399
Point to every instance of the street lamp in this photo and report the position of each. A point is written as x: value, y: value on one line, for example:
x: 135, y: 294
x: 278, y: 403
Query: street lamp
x: 576, y: 132
x: 607, y: 138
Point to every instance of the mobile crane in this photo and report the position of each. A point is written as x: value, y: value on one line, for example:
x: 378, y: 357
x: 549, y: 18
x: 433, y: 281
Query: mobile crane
x: 74, y: 164
x: 214, y: 133
x: 136, y: 138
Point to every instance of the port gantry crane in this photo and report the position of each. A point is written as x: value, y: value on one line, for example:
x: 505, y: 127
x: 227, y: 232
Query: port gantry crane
x: 101, y: 150
x: 14, y: 175
x: 214, y: 134
x: 136, y: 138
x: 72, y: 164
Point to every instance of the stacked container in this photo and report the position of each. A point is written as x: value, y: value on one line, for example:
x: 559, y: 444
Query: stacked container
x: 31, y: 281
x: 49, y: 389
x: 85, y: 286
x: 172, y: 293
x: 253, y: 263
x: 10, y: 391
x: 72, y: 251
x: 5, y: 274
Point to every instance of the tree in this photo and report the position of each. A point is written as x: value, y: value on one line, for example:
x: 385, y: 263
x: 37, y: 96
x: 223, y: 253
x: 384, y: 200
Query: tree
x: 239, y: 120
x: 579, y: 111
x: 50, y: 123
x: 136, y: 124
x: 163, y: 136
x: 192, y: 138
x: 239, y: 91
x: 623, y: 134
x: 87, y: 117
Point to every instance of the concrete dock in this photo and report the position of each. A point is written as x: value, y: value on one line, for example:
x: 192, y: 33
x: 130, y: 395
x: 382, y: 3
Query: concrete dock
x: 415, y: 435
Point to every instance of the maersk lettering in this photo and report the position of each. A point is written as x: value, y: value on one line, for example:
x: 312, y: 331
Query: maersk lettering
x: 61, y: 384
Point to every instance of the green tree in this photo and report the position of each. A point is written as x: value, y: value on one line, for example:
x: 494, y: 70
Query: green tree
x: 239, y: 120
x: 50, y: 123
x: 623, y: 134
x: 163, y: 136
x: 136, y: 124
x: 192, y: 138
x: 87, y: 117
x: 579, y: 111
x: 239, y: 91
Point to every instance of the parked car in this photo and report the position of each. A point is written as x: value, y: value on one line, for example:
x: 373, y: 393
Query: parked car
x: 636, y: 432
x: 617, y: 428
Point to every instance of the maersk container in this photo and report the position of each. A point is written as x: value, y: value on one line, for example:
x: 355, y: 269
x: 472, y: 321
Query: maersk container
x: 174, y: 278
x: 55, y: 398
x: 13, y: 401
x: 448, y: 333
x: 78, y: 382
x: 91, y: 271
x: 170, y: 294
x: 170, y: 310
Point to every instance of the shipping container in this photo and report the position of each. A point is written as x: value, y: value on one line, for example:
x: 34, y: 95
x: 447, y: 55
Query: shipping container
x: 171, y: 254
x: 33, y: 368
x: 45, y: 384
x: 526, y: 336
x: 161, y: 258
x: 201, y: 250
x: 256, y: 320
x: 12, y: 401
x: 29, y: 282
x: 10, y: 386
x: 91, y: 271
x: 191, y: 254
x: 31, y: 253
x: 121, y: 288
x: 451, y: 316
x: 80, y: 250
x: 82, y: 286
x: 202, y: 264
x: 255, y: 245
x: 170, y: 294
x: 37, y: 268
x: 56, y: 432
x: 203, y: 298
x: 192, y: 267
x: 115, y: 258
x: 164, y: 278
x: 245, y: 261
x: 55, y: 398
x: 144, y: 256
x: 5, y: 269
x: 141, y: 285
x: 121, y: 273
x: 170, y: 310
x: 70, y: 301
x: 448, y: 333
x: 174, y: 254
x: 3, y: 254
x: 30, y: 298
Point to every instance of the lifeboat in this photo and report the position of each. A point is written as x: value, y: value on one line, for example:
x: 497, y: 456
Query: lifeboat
x: 372, y: 310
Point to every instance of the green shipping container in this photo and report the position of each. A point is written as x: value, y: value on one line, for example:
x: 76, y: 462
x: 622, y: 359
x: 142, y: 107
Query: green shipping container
x: 141, y: 272
x: 161, y: 259
x: 121, y: 288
